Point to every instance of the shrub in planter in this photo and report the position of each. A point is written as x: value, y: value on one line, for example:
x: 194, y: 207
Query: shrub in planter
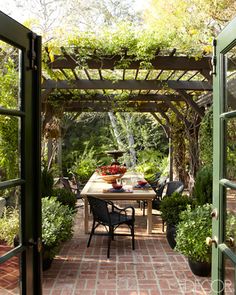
x: 202, y: 190
x: 170, y: 208
x: 57, y: 226
x: 194, y: 226
x: 57, y: 223
x: 65, y: 197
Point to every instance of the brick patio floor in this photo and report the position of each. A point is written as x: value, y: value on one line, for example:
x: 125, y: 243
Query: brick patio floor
x: 153, y: 268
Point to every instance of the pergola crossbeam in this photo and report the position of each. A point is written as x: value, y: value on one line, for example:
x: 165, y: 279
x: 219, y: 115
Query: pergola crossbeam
x: 101, y: 97
x: 110, y: 62
x: 127, y: 85
x: 106, y: 107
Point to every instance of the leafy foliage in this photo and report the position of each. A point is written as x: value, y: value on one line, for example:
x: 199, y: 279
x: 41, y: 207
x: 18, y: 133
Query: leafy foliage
x: 231, y: 225
x: 57, y: 224
x: 206, y: 138
x: 84, y: 165
x: 193, y: 22
x: 192, y: 230
x: 46, y: 182
x: 230, y: 149
x: 9, y: 225
x: 9, y: 125
x: 172, y: 206
x: 65, y: 197
x: 202, y: 191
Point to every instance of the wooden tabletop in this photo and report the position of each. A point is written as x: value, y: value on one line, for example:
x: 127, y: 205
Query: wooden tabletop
x: 96, y: 186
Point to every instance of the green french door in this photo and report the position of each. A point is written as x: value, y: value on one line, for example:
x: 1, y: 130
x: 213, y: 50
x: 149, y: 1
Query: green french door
x: 20, y: 70
x: 224, y: 180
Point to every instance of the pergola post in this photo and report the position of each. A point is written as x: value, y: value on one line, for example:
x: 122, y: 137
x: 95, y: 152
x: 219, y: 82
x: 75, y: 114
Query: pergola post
x: 50, y: 152
x: 170, y: 159
x: 59, y: 154
x: 167, y: 129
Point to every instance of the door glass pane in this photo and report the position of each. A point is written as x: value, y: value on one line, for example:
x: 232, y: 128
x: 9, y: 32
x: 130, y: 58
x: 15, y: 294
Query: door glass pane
x: 229, y: 284
x: 9, y: 147
x: 9, y: 276
x: 9, y: 76
x: 230, y: 236
x: 230, y: 95
x: 10, y: 205
x: 230, y: 140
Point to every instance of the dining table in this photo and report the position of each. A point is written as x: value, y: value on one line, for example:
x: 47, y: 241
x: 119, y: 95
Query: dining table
x: 99, y: 188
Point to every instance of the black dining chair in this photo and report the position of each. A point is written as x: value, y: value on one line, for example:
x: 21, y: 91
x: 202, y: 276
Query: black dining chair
x: 107, y: 214
x: 72, y: 188
x: 171, y: 187
x: 158, y: 187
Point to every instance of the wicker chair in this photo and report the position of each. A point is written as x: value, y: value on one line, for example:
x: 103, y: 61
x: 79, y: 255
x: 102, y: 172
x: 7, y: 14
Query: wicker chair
x: 107, y: 214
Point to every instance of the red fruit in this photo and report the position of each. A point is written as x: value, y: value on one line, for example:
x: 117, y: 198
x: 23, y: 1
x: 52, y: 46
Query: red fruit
x: 116, y: 186
x: 142, y: 182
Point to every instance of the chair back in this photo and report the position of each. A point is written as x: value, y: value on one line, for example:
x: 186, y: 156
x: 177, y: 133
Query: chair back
x: 174, y: 186
x: 65, y: 182
x: 99, y: 209
x: 161, y: 186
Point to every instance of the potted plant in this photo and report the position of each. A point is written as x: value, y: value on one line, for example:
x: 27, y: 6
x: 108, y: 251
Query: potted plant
x: 194, y: 226
x: 65, y: 197
x: 170, y: 208
x: 57, y: 222
x: 202, y: 191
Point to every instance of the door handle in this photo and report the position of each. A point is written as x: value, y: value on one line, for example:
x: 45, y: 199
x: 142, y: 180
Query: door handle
x: 210, y: 241
x: 214, y: 214
x: 230, y: 241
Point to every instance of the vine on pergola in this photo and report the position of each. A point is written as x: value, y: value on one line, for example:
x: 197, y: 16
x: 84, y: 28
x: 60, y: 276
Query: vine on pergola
x: 126, y: 71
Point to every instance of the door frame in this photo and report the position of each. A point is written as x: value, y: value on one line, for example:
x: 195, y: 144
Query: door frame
x: 29, y: 250
x: 223, y: 43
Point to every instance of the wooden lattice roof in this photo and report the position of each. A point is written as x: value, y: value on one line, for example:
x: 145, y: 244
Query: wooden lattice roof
x: 124, y: 83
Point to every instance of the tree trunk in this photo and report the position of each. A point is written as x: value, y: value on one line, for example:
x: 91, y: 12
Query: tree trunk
x: 115, y: 130
x: 194, y: 161
x: 170, y: 159
x: 130, y: 138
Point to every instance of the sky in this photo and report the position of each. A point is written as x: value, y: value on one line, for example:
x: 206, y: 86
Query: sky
x: 9, y: 7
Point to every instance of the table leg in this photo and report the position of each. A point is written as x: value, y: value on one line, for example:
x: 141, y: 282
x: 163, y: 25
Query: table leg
x: 86, y: 215
x: 149, y: 216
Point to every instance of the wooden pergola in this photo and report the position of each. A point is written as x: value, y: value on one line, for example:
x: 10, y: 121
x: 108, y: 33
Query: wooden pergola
x: 88, y: 86
x: 168, y: 82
